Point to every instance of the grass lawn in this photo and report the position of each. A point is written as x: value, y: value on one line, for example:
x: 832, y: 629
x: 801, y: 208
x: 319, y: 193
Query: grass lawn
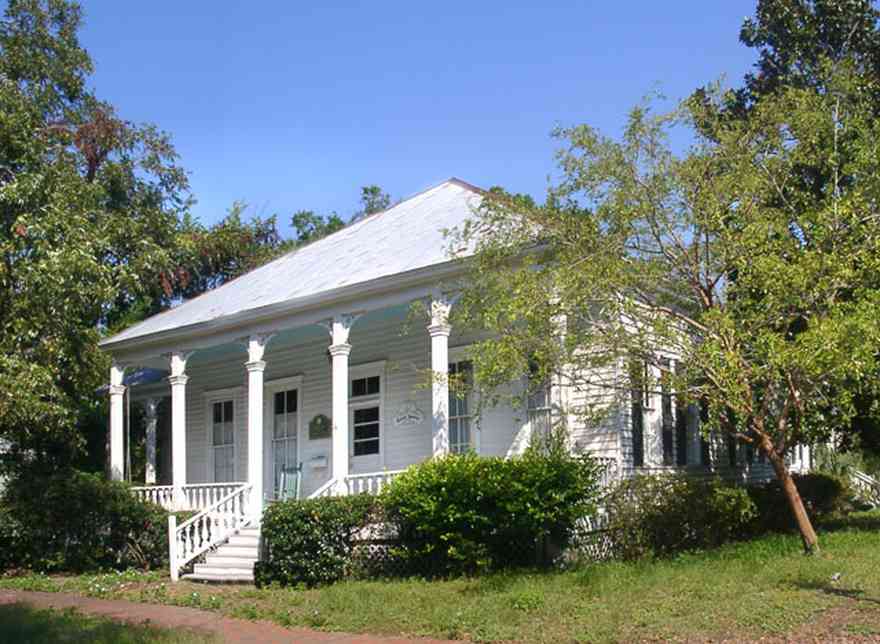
x: 20, y: 623
x: 763, y: 588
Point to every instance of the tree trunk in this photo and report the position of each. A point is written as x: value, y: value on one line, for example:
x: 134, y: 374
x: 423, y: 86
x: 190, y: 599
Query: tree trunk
x: 805, y: 526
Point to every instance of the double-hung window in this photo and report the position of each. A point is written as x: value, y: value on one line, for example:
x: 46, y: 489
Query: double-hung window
x: 461, y: 378
x: 540, y: 412
x: 666, y: 413
x: 222, y: 440
x: 365, y: 400
x: 638, y: 376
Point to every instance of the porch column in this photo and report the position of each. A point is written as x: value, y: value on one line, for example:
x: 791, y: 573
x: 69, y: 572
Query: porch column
x: 178, y: 379
x: 117, y: 422
x: 151, y: 407
x: 340, y: 349
x: 255, y: 368
x: 440, y: 330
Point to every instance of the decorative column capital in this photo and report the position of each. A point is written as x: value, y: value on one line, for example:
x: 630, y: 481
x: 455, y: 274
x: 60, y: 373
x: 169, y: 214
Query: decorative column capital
x: 256, y: 345
x: 180, y: 379
x: 117, y: 390
x: 117, y: 373
x: 339, y: 327
x: 343, y: 349
x: 177, y: 362
x: 255, y: 366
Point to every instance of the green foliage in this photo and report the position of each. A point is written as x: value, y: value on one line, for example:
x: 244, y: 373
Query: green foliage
x: 464, y: 513
x: 666, y: 514
x: 73, y: 521
x: 825, y: 496
x: 310, y: 542
x: 373, y: 200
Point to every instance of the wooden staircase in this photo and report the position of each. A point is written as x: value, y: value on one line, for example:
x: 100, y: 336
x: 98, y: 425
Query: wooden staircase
x: 232, y: 561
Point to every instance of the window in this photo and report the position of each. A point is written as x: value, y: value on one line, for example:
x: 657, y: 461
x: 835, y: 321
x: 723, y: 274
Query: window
x: 705, y: 454
x: 540, y: 412
x: 285, y: 431
x: 666, y: 414
x: 681, y: 432
x: 366, y: 410
x: 223, y: 434
x: 365, y: 386
x: 461, y: 377
x: 637, y: 412
x: 366, y: 431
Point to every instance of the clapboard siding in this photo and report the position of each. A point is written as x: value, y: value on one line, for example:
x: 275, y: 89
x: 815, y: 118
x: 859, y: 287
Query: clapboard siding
x: 406, y: 379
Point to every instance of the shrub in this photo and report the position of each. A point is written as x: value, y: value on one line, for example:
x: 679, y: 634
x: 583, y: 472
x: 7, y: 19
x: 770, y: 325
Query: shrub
x: 74, y: 521
x: 660, y: 515
x: 464, y: 513
x: 824, y: 495
x: 311, y: 541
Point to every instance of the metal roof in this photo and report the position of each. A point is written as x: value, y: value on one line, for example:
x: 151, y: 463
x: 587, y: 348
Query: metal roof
x: 409, y: 235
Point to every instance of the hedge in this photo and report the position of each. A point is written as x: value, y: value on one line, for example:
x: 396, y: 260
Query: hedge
x: 466, y: 513
x: 824, y: 495
x: 75, y: 521
x: 664, y: 514
x: 310, y: 542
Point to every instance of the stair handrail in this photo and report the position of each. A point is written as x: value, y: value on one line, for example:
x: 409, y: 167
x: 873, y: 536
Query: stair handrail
x: 325, y: 490
x: 180, y: 552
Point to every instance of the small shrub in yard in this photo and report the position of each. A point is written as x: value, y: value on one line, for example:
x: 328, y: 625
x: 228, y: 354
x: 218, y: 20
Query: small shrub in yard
x: 311, y: 542
x: 660, y: 515
x: 824, y: 495
x: 74, y: 521
x: 465, y: 513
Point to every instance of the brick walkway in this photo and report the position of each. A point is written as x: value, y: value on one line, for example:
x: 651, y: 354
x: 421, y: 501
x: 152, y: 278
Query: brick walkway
x: 229, y: 630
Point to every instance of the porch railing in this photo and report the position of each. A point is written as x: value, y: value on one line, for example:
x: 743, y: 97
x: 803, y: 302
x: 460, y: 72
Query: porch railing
x: 370, y: 483
x: 866, y: 487
x: 196, y: 496
x: 208, y: 528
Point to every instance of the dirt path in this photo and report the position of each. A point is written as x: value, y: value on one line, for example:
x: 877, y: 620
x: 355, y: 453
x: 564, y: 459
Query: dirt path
x: 233, y: 631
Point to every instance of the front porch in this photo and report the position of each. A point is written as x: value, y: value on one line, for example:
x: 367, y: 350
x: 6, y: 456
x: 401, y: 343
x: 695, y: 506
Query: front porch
x: 349, y: 414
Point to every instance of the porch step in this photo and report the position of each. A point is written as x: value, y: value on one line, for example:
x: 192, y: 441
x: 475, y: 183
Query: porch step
x: 232, y: 561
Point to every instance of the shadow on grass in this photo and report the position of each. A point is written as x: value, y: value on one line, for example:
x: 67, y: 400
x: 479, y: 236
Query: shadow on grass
x: 864, y: 521
x: 22, y: 623
x: 829, y: 589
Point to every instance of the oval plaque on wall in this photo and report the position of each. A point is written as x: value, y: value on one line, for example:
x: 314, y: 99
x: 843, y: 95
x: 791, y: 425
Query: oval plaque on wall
x: 319, y: 427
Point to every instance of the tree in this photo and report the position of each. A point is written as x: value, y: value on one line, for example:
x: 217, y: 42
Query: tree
x: 765, y: 294
x: 310, y: 226
x: 373, y: 200
x: 88, y: 220
x: 796, y: 40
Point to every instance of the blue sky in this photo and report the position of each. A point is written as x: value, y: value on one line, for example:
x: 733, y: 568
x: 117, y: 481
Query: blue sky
x: 292, y: 105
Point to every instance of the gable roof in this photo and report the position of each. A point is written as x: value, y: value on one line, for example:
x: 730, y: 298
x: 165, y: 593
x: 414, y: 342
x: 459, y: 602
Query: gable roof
x: 408, y: 236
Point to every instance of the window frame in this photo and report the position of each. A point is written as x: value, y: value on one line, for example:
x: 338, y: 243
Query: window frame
x: 547, y: 408
x: 270, y: 388
x: 468, y: 398
x: 357, y: 372
x: 217, y: 396
x: 462, y: 353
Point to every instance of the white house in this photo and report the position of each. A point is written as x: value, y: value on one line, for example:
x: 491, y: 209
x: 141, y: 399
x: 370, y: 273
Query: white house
x: 305, y: 361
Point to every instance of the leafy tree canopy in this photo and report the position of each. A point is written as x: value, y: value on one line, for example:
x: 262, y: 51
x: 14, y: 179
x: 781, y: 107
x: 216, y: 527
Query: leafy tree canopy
x: 765, y: 293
